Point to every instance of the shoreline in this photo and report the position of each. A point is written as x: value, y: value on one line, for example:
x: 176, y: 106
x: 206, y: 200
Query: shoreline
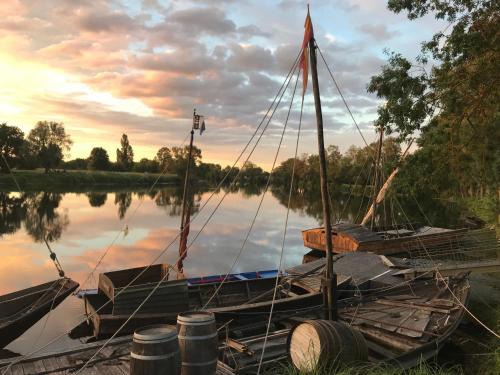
x: 30, y: 180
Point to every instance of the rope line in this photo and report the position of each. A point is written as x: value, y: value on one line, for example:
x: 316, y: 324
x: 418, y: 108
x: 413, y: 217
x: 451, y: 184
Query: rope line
x: 11, y: 173
x: 440, y: 277
x: 166, y: 274
x: 85, y: 316
x: 286, y: 221
x: 343, y: 99
x: 259, y: 206
x: 125, y: 226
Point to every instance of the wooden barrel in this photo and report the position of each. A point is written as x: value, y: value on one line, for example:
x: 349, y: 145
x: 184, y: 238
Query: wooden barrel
x: 155, y: 351
x: 198, y: 343
x: 320, y: 343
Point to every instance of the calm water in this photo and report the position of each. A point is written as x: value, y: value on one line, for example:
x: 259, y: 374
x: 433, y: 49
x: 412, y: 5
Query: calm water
x: 81, y: 226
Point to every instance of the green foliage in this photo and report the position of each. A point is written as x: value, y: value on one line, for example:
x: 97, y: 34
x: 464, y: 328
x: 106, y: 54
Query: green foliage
x: 180, y: 160
x: 125, y: 154
x: 406, y: 105
x: 164, y: 159
x: 454, y: 101
x: 210, y: 173
x: 147, y: 165
x: 98, y: 159
x: 47, y: 142
x: 76, y: 164
x: 11, y: 146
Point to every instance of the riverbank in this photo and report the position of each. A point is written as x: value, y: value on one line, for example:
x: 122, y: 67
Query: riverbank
x: 73, y: 179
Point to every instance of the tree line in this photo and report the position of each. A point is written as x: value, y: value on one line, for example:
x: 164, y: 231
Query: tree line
x: 47, y: 143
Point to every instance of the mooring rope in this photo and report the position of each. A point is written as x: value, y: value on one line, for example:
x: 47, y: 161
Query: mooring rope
x: 185, y: 251
x: 235, y: 261
x: 85, y: 316
x: 440, y: 277
x: 286, y: 220
x: 290, y: 72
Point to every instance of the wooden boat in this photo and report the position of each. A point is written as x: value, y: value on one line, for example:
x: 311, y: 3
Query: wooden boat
x: 111, y: 306
x: 403, y: 322
x: 20, y: 310
x: 355, y: 237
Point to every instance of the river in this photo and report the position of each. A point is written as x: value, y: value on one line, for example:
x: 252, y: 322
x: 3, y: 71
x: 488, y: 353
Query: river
x: 134, y: 227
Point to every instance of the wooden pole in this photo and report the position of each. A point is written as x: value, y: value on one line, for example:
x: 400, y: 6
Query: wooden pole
x: 332, y: 308
x: 185, y: 195
x: 376, y: 176
x: 385, y: 186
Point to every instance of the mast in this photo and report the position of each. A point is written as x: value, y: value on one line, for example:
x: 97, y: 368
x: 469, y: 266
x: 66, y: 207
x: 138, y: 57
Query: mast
x: 385, y: 186
x: 185, y: 214
x: 330, y: 276
x: 376, y: 175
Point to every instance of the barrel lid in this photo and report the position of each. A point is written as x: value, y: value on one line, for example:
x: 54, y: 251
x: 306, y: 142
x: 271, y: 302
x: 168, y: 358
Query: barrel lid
x: 155, y: 332
x: 195, y: 316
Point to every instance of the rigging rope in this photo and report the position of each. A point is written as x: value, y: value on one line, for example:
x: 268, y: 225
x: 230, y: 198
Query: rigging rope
x: 126, y: 225
x: 343, y: 99
x: 440, y: 277
x: 286, y: 218
x: 185, y: 251
x: 86, y: 317
x: 259, y: 206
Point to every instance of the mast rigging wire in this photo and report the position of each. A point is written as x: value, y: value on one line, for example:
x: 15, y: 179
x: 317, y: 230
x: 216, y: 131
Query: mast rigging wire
x: 286, y: 218
x: 343, y: 99
x: 199, y: 232
x: 258, y: 208
x: 287, y: 78
x: 290, y: 72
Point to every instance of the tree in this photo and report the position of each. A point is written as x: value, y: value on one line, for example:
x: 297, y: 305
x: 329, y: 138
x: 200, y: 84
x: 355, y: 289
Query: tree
x: 11, y: 145
x: 48, y: 141
x: 98, y: 159
x: 125, y: 154
x: 76, y: 164
x: 165, y: 160
x: 180, y: 157
x: 146, y: 165
x: 456, y: 97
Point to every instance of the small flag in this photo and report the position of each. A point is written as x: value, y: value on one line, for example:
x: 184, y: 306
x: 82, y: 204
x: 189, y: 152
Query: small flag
x: 304, y: 59
x: 202, y: 128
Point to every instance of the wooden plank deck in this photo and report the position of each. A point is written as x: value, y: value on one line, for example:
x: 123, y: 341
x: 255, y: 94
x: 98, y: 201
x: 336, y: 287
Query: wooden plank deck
x: 112, y: 360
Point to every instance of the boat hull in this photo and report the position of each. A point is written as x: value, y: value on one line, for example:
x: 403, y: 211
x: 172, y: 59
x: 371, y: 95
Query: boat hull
x: 13, y: 327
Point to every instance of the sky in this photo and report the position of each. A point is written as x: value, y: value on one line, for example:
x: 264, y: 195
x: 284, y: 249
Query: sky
x: 104, y: 68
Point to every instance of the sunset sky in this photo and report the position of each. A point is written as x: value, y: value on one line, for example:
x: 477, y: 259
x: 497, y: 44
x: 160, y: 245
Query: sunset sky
x: 140, y: 67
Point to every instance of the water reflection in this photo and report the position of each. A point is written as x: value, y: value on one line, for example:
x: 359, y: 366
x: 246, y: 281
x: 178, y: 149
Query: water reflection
x: 82, y: 226
x: 43, y: 220
x: 12, y: 213
x: 123, y: 200
x: 42, y: 216
x: 97, y: 199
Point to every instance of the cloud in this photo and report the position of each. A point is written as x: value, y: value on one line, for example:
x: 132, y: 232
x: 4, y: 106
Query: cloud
x: 378, y: 31
x: 227, y: 59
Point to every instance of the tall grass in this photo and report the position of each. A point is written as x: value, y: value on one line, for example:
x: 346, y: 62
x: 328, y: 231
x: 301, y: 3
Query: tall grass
x: 423, y: 368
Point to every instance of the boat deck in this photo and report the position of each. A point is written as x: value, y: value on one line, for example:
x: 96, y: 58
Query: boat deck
x: 114, y: 359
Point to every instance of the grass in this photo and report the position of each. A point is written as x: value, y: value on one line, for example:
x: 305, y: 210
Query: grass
x: 423, y: 368
x: 69, y: 180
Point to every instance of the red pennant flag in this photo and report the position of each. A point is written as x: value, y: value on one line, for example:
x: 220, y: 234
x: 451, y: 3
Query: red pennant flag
x: 304, y: 59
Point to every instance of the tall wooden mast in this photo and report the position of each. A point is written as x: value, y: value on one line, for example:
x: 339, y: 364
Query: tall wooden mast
x: 330, y: 277
x: 185, y: 211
